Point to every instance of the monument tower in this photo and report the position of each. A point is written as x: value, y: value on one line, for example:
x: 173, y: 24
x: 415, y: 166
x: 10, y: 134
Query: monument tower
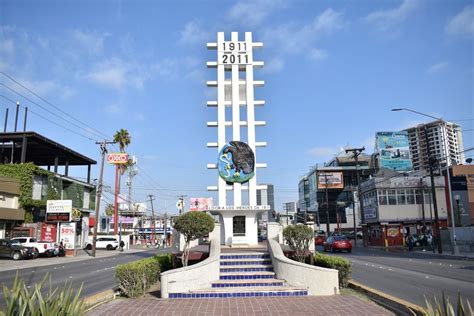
x: 236, y: 139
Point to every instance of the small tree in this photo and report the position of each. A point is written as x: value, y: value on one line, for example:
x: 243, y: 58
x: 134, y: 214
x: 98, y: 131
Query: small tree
x: 298, y: 238
x: 193, y: 225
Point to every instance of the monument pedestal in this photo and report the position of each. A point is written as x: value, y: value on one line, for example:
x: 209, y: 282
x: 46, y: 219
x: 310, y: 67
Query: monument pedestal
x: 240, y: 227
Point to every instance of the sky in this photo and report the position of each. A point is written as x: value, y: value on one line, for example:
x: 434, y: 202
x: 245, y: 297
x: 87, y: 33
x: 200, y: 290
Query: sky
x: 333, y: 70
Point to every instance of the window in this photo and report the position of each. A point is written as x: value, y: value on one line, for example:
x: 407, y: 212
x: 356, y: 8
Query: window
x: 392, y: 197
x: 382, y: 197
x: 410, y: 193
x: 239, y: 225
x: 401, y: 198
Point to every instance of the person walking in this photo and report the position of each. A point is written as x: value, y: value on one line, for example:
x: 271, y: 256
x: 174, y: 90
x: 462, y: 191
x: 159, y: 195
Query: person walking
x: 122, y: 244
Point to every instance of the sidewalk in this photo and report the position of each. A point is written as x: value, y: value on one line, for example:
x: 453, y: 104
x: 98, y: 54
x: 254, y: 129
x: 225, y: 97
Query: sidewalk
x: 308, y: 305
x: 7, y: 264
x: 446, y: 252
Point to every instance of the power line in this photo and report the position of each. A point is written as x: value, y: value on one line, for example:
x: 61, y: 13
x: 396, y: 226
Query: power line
x: 51, y: 104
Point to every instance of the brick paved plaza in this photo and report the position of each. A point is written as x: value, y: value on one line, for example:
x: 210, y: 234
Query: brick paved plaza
x: 309, y: 305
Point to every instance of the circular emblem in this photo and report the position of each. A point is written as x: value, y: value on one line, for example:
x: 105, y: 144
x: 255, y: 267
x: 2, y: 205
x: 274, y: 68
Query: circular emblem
x: 236, y: 162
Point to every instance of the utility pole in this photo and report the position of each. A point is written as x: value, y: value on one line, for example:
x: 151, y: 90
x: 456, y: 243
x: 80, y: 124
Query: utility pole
x: 103, y: 150
x: 165, y: 233
x: 181, y: 208
x: 327, y: 202
x: 152, y: 218
x: 431, y: 163
x: 355, y: 154
x: 131, y: 173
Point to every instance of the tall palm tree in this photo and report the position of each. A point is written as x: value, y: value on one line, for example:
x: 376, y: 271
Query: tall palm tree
x: 123, y: 138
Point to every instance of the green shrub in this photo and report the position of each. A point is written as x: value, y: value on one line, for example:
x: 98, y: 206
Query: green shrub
x: 299, y: 238
x: 20, y: 300
x: 135, y: 278
x: 340, y: 264
x: 165, y: 262
x: 446, y: 308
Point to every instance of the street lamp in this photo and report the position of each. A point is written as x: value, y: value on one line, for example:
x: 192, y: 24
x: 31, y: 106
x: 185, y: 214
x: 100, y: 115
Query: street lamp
x: 455, y: 249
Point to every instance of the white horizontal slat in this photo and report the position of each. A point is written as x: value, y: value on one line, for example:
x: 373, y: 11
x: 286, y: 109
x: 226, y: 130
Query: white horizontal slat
x: 214, y: 45
x: 260, y: 123
x: 211, y: 83
x: 211, y: 64
x: 258, y: 64
x: 256, y: 44
x: 212, y: 124
x: 262, y: 187
x: 260, y: 144
x: 261, y: 165
x: 211, y: 103
x: 212, y: 188
x: 211, y: 166
x: 212, y: 145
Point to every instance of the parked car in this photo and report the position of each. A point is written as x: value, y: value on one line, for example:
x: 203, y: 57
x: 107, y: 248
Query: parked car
x: 350, y: 234
x: 46, y: 248
x: 319, y: 237
x: 108, y: 243
x: 337, y: 243
x: 13, y: 249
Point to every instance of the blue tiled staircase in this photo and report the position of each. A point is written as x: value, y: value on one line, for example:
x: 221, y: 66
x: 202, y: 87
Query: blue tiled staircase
x: 245, y: 274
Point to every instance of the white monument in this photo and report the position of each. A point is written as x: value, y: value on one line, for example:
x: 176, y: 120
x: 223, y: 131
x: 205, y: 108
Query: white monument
x: 236, y: 160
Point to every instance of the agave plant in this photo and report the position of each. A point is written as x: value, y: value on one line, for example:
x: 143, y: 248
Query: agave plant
x: 445, y: 308
x: 20, y: 300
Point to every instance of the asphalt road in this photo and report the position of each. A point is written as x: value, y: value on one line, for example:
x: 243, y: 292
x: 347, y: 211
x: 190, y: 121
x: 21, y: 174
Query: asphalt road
x: 411, y: 276
x: 96, y: 274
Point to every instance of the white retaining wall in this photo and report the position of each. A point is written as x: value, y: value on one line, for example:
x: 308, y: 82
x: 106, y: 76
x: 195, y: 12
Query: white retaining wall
x: 197, y: 276
x: 318, y: 280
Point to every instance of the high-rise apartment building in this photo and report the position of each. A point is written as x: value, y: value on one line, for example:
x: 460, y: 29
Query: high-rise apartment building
x: 444, y: 142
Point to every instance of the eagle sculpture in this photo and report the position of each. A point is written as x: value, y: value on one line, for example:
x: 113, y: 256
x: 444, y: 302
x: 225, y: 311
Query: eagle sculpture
x: 243, y: 158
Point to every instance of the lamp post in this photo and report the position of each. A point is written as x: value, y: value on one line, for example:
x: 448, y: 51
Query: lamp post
x: 454, y: 249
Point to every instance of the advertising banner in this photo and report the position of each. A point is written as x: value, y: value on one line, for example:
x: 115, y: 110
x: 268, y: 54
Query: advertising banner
x: 67, y: 234
x: 48, y: 232
x: 331, y: 180
x: 393, y: 150
x: 123, y: 219
x: 200, y: 204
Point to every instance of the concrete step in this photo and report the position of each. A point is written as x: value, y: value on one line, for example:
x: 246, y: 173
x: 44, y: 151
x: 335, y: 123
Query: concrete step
x: 247, y: 275
x: 245, y: 255
x: 246, y: 268
x: 247, y: 261
x: 242, y: 292
x: 248, y: 283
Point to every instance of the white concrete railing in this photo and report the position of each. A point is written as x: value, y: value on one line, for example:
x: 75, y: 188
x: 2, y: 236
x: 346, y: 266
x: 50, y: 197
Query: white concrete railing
x: 197, y: 276
x: 318, y: 280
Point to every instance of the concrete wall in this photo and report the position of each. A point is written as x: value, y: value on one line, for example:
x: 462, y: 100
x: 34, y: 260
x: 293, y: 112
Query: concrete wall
x: 197, y: 276
x: 318, y: 280
x: 251, y: 227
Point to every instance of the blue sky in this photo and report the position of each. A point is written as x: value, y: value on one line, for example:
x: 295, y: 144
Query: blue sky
x: 333, y: 70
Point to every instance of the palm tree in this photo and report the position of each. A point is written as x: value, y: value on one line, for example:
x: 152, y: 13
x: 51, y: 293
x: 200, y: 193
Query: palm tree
x: 123, y: 138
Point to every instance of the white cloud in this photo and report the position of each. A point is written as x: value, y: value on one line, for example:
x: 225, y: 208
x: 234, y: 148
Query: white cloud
x: 294, y: 38
x: 7, y: 47
x: 48, y: 87
x: 317, y: 54
x: 385, y: 20
x: 437, y: 68
x: 90, y: 42
x: 113, y: 109
x: 324, y: 153
x: 117, y: 74
x: 462, y: 23
x: 193, y: 33
x: 253, y: 13
x: 274, y: 65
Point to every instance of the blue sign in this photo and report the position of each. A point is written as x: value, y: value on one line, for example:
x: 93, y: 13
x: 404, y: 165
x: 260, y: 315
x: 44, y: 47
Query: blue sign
x: 236, y: 162
x: 394, y: 151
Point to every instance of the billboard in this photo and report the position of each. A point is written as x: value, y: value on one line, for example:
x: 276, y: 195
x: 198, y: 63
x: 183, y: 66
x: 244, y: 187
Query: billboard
x: 200, y: 204
x: 393, y: 149
x: 58, y: 210
x: 330, y: 180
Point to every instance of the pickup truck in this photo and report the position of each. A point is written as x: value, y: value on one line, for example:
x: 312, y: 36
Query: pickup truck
x: 40, y: 247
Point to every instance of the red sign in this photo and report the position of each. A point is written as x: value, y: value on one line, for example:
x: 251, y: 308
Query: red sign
x: 58, y: 217
x: 118, y: 158
x: 48, y: 232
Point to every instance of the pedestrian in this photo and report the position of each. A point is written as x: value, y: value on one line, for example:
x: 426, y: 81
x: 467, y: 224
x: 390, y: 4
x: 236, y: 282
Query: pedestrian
x: 122, y: 244
x: 410, y: 242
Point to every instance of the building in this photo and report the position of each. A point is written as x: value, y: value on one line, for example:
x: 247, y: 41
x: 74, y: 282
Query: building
x: 290, y: 210
x: 397, y: 205
x: 462, y: 185
x: 443, y: 137
x: 267, y: 197
x: 29, y: 155
x: 328, y: 194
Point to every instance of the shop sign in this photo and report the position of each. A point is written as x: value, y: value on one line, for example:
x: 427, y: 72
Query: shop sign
x: 48, y: 232
x: 67, y: 234
x: 117, y: 158
x: 200, y: 204
x: 330, y: 180
x: 370, y: 212
x: 58, y: 217
x: 393, y: 232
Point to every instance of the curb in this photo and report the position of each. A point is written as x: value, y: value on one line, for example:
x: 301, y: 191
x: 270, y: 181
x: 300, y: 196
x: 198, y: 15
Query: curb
x: 99, y: 298
x: 394, y: 304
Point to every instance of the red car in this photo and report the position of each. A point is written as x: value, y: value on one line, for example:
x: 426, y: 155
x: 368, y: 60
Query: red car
x: 337, y: 243
x: 319, y: 239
